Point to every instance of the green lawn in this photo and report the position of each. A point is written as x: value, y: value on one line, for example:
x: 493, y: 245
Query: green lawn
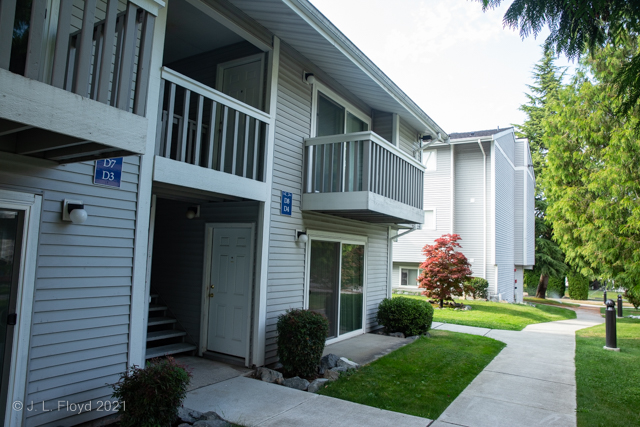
x: 625, y: 311
x: 535, y: 300
x: 420, y: 379
x: 599, y: 295
x: 608, y: 382
x: 496, y: 315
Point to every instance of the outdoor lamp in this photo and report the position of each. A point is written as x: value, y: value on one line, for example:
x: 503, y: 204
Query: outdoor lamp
x: 193, y: 212
x: 309, y: 78
x: 73, y: 211
x: 301, y: 236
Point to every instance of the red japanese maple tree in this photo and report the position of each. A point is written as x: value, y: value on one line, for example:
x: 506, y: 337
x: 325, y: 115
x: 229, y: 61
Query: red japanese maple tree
x: 445, y: 270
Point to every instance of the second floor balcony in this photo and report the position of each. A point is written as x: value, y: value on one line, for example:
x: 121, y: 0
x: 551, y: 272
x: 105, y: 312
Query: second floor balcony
x: 361, y: 176
x: 74, y: 78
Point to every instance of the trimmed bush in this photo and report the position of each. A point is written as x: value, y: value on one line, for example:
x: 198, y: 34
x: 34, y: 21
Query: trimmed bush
x: 578, y: 286
x: 477, y: 287
x: 556, y: 287
x: 633, y: 297
x: 150, y: 397
x: 301, y: 337
x: 531, y: 280
x: 407, y: 315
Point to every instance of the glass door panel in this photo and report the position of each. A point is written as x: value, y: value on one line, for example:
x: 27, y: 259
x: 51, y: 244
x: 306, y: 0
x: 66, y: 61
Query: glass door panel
x: 10, y: 229
x: 324, y: 271
x: 354, y: 124
x: 330, y: 117
x: 351, y: 287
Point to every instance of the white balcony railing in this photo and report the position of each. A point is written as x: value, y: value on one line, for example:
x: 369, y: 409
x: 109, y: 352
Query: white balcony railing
x: 362, y: 161
x: 106, y: 60
x: 206, y: 128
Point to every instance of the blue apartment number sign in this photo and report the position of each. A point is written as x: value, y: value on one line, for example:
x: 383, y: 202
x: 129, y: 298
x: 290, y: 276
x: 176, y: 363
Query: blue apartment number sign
x: 285, y: 205
x: 108, y: 172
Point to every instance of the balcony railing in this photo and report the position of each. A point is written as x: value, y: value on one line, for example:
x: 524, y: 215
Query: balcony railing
x: 362, y: 161
x: 106, y: 60
x: 206, y: 128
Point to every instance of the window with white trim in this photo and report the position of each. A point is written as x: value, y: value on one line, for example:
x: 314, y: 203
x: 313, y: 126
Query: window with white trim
x: 409, y: 276
x: 333, y: 115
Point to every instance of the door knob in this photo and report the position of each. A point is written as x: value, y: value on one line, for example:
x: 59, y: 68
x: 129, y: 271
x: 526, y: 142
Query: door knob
x: 213, y: 286
x: 211, y: 295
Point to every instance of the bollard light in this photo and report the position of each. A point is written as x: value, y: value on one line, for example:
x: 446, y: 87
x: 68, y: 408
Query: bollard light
x: 610, y: 318
x: 604, y: 297
x: 620, y: 306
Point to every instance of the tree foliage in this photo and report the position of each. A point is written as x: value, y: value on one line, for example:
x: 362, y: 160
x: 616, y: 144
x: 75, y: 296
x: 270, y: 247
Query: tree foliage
x: 576, y: 25
x: 445, y: 270
x: 593, y: 180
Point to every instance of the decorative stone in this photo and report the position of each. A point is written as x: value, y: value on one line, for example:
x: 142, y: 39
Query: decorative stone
x: 467, y: 307
x: 333, y: 374
x: 327, y: 362
x: 269, y: 375
x: 297, y: 383
x: 396, y: 334
x: 188, y: 415
x: 317, y: 384
x: 211, y: 423
x: 347, y: 364
x: 414, y: 337
x: 210, y: 416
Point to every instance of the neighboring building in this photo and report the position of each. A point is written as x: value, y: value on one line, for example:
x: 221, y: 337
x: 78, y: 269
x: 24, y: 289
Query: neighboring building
x: 267, y: 165
x: 481, y: 186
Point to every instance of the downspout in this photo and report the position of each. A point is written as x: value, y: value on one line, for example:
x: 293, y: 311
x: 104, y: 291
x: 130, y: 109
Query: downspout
x: 484, y: 211
x: 451, y: 187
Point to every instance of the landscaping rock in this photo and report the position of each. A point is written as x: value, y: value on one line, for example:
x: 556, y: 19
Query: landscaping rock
x: 334, y: 373
x: 467, y: 307
x: 414, y: 337
x: 211, y: 423
x: 269, y: 375
x: 297, y: 383
x: 317, y: 385
x: 211, y: 416
x: 396, y: 334
x: 189, y: 415
x: 184, y: 425
x: 327, y: 362
x: 347, y: 364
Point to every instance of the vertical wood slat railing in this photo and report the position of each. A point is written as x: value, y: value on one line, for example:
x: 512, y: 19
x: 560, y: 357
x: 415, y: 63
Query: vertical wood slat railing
x: 203, y: 127
x: 82, y: 58
x: 362, y: 161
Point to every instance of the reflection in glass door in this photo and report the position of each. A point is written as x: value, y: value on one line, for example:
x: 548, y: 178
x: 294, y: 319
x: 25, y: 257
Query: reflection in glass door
x: 336, y: 279
x: 10, y: 229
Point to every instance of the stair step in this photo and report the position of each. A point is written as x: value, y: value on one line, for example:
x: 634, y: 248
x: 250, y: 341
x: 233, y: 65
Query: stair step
x: 156, y: 307
x: 162, y: 335
x: 166, y: 350
x: 153, y: 321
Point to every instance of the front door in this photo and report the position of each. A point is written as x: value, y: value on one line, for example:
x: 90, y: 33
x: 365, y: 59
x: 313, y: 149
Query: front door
x: 242, y: 80
x: 229, y: 288
x: 11, y: 223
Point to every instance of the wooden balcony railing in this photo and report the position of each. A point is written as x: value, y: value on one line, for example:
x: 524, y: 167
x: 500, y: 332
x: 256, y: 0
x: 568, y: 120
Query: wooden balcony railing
x: 206, y: 128
x: 106, y: 60
x: 362, y: 161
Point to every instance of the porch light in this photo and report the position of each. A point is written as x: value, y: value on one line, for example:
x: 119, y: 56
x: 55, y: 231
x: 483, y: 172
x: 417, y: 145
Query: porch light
x: 193, y: 212
x: 301, y: 236
x: 309, y: 78
x: 426, y: 138
x: 73, y: 211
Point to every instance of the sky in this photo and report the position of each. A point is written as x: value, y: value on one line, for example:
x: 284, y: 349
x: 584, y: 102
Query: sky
x: 455, y: 61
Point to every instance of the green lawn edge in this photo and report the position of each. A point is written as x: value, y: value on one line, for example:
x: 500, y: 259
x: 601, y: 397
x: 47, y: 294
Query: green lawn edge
x: 608, y: 382
x: 495, y: 315
x: 421, y: 378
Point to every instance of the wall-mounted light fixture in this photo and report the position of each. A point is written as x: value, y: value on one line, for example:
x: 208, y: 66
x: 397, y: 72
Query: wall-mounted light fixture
x: 193, y: 212
x: 426, y: 138
x: 309, y: 78
x: 301, y: 236
x: 73, y: 211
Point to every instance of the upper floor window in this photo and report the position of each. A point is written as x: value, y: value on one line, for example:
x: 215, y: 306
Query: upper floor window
x: 336, y: 116
x: 429, y: 160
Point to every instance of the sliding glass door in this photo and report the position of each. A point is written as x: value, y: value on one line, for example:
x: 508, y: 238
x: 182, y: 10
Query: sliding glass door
x: 336, y: 284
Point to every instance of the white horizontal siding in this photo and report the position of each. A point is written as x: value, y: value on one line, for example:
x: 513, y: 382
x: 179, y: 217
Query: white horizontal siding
x: 504, y: 223
x: 80, y: 322
x: 409, y: 140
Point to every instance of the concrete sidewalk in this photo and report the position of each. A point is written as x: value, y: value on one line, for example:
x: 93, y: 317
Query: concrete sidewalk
x: 530, y: 383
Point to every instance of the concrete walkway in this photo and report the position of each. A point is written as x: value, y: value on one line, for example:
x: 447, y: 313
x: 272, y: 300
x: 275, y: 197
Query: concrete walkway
x: 530, y: 383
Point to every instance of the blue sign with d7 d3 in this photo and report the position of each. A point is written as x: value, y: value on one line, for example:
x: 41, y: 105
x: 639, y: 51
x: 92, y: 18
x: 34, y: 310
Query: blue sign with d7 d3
x: 108, y: 172
x: 285, y: 205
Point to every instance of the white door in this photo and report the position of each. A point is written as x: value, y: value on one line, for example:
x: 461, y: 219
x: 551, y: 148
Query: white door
x: 244, y: 82
x: 229, y: 288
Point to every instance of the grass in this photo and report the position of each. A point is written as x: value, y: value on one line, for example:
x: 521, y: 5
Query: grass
x: 535, y: 300
x: 608, y: 383
x: 494, y: 315
x: 420, y: 379
x: 625, y: 311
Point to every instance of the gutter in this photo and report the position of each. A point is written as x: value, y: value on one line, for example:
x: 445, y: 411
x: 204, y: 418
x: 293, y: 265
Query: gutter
x: 484, y: 210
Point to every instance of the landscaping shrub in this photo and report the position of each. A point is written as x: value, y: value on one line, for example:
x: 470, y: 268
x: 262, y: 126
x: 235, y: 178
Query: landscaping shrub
x: 633, y: 297
x: 301, y: 337
x: 150, y: 397
x: 578, y: 286
x: 556, y: 287
x: 531, y: 280
x: 407, y: 315
x: 477, y: 287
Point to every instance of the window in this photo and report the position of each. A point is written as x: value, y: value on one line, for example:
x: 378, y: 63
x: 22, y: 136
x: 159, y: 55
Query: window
x: 429, y: 219
x: 429, y: 160
x: 409, y: 276
x: 333, y: 115
x: 336, y: 283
